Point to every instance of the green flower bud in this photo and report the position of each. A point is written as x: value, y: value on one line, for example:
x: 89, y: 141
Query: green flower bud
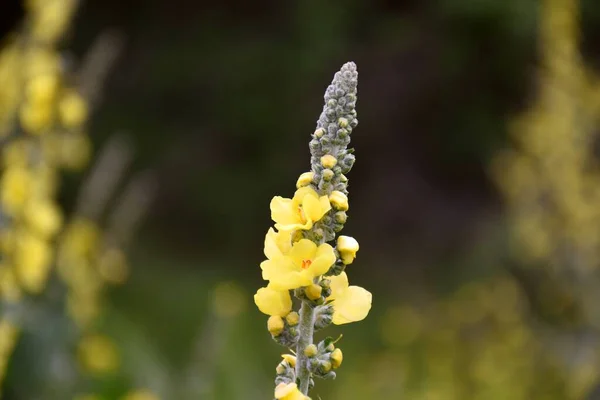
x: 328, y: 175
x: 340, y: 217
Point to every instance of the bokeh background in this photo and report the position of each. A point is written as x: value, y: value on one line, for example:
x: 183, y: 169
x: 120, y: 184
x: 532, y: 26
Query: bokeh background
x: 218, y: 101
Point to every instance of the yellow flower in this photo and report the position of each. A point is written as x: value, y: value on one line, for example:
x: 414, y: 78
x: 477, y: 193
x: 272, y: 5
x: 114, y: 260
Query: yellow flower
x: 35, y: 118
x: 350, y: 303
x: 304, y: 262
x: 98, y: 354
x: 339, y: 200
x: 288, y: 391
x: 277, y: 244
x: 44, y: 217
x: 140, y: 394
x: 16, y: 188
x: 32, y: 262
x: 72, y: 109
x: 299, y: 212
x: 273, y: 302
x: 347, y: 246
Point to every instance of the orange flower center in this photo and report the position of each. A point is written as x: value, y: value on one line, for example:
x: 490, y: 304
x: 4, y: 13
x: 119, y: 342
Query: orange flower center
x: 306, y: 263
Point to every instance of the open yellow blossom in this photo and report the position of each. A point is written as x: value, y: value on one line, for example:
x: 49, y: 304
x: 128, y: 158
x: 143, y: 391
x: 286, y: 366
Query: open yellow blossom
x: 304, y: 262
x: 273, y: 302
x: 288, y: 391
x: 300, y: 212
x: 350, y: 303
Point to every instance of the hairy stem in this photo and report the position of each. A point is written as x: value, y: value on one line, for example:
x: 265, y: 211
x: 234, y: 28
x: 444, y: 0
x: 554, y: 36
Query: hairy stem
x: 306, y: 329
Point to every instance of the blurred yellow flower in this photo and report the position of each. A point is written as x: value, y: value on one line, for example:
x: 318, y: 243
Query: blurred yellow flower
x: 304, y: 262
x: 140, y: 394
x: 273, y: 302
x: 350, y: 303
x: 16, y: 188
x: 98, y: 354
x: 72, y: 109
x: 43, y: 217
x: 229, y: 299
x: 32, y: 259
x: 300, y: 212
x: 112, y: 266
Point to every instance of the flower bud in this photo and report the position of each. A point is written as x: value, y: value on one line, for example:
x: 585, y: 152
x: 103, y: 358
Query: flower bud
x: 336, y: 358
x: 325, y: 283
x: 343, y: 122
x: 324, y: 367
x: 319, y: 132
x: 347, y: 246
x: 275, y: 325
x: 328, y: 161
x: 313, y: 292
x: 305, y: 179
x: 281, y: 369
x: 292, y: 318
x: 290, y: 359
x: 328, y: 175
x: 310, y: 350
x: 339, y: 200
x: 340, y: 217
x: 330, y: 347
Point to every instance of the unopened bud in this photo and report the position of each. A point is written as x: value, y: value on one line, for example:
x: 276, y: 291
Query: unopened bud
x: 281, y: 369
x: 292, y: 318
x: 291, y: 360
x: 347, y: 246
x: 313, y: 292
x: 330, y: 347
x: 325, y: 367
x: 275, y: 325
x: 343, y: 122
x: 339, y: 200
x: 328, y: 161
x: 340, y: 217
x: 319, y: 132
x: 305, y: 179
x: 328, y: 175
x: 336, y: 358
x: 310, y: 350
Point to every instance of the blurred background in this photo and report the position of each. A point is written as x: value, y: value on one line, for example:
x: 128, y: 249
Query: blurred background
x: 473, y: 196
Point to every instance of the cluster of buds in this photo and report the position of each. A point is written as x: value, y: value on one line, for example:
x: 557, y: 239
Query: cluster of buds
x: 304, y: 258
x: 324, y: 358
x: 284, y: 329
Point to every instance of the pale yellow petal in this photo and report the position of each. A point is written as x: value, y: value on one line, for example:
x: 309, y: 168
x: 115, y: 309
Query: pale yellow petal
x: 272, y: 249
x: 339, y: 285
x: 302, y: 250
x: 282, y: 211
x: 353, y: 306
x: 273, y: 302
x: 290, y: 280
x: 324, y: 259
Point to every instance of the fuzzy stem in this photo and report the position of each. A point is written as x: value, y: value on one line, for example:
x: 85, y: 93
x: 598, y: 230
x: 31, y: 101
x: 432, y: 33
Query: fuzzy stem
x: 305, y: 331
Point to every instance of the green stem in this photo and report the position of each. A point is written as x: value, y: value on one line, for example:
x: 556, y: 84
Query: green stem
x: 306, y: 329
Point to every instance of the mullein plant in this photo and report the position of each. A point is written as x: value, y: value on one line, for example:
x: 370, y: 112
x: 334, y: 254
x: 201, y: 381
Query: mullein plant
x: 307, y: 259
x: 551, y: 183
x: 43, y: 122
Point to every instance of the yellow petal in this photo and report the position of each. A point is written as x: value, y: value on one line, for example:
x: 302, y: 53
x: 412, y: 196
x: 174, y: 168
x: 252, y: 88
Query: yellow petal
x: 288, y: 391
x: 339, y: 285
x: 273, y: 302
x: 352, y: 306
x: 282, y: 211
x: 303, y: 250
x: 324, y: 259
